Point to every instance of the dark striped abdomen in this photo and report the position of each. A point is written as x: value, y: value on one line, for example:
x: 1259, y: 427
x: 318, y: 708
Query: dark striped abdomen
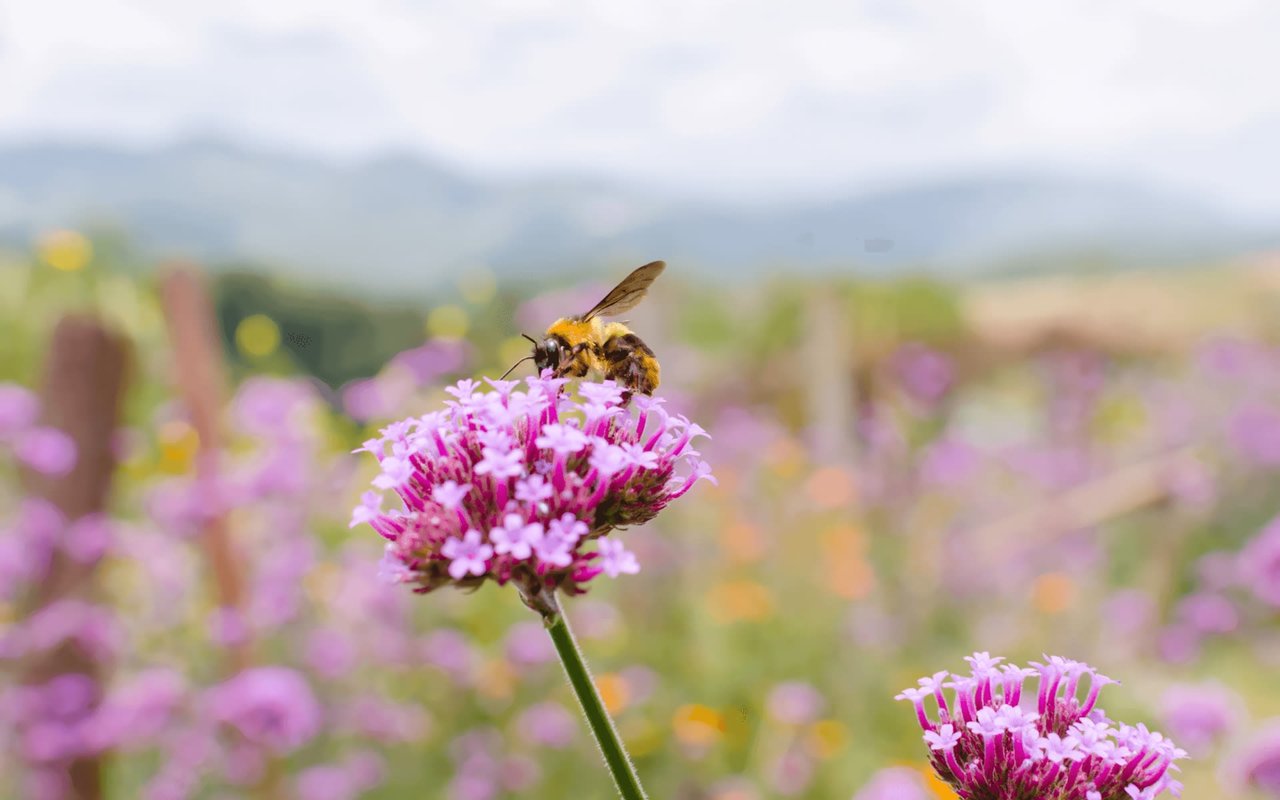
x: 630, y: 362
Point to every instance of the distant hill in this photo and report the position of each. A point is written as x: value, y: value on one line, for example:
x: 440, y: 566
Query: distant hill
x: 402, y: 220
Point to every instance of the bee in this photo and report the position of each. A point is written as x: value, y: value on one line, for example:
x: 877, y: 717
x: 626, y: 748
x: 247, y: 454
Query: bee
x: 574, y: 346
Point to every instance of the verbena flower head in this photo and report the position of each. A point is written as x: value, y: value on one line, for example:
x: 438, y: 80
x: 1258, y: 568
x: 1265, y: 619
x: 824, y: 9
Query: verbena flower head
x: 993, y: 739
x: 524, y: 483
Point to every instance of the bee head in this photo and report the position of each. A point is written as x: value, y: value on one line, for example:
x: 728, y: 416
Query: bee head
x: 547, y: 353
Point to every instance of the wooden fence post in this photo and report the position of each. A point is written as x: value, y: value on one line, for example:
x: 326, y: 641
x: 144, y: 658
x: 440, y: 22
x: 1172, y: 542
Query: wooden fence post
x: 83, y: 385
x: 202, y: 383
x: 828, y: 359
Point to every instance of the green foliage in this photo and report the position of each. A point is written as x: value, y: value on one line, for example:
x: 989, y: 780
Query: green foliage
x: 331, y: 335
x: 910, y: 309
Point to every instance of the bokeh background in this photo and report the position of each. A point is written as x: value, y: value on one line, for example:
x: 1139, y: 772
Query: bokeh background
x: 978, y: 301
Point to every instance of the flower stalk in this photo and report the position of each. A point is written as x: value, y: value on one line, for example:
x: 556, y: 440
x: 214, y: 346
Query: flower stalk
x: 575, y: 668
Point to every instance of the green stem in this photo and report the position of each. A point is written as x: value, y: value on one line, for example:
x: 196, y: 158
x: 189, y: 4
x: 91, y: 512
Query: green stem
x: 575, y: 667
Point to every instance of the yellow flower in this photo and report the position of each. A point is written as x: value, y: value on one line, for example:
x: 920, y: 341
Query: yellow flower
x: 732, y: 601
x: 697, y: 724
x: 179, y: 444
x: 497, y: 679
x: 614, y: 691
x: 742, y: 540
x: 936, y: 785
x: 257, y: 336
x: 65, y: 250
x: 847, y: 573
x: 448, y: 322
x: 827, y: 738
x: 831, y: 487
x: 1053, y: 592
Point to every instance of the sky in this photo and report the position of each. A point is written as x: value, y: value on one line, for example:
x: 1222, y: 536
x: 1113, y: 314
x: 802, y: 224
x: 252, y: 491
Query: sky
x: 750, y: 100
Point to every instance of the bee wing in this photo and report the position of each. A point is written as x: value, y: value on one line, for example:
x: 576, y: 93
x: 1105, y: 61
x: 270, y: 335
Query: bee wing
x: 627, y: 294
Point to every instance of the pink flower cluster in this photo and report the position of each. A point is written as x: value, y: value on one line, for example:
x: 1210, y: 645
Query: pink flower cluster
x: 989, y: 744
x: 513, y: 485
x: 46, y: 450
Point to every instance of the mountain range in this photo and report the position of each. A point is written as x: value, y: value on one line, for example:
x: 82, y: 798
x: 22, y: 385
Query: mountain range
x: 401, y: 220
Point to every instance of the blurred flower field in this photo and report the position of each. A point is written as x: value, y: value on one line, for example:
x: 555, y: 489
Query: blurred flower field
x: 897, y: 489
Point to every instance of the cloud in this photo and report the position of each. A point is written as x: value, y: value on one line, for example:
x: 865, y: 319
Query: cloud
x: 713, y: 96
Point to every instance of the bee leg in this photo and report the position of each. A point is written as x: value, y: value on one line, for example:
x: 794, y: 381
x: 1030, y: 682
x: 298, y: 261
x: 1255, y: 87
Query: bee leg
x: 572, y: 369
x: 572, y: 364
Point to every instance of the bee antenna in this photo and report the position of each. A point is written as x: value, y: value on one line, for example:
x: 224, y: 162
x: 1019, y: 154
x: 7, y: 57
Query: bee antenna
x: 530, y: 338
x: 513, y: 366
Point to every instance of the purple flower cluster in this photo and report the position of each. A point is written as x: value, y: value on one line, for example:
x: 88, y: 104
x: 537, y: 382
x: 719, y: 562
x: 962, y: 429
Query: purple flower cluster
x: 511, y: 485
x: 989, y: 744
x: 317, y: 703
x: 1257, y: 765
x: 37, y: 531
x: 50, y: 725
x: 484, y: 771
x: 1259, y: 564
x: 43, y: 449
x: 894, y: 783
x: 1201, y: 715
x: 272, y: 707
x: 394, y: 387
x: 925, y: 374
